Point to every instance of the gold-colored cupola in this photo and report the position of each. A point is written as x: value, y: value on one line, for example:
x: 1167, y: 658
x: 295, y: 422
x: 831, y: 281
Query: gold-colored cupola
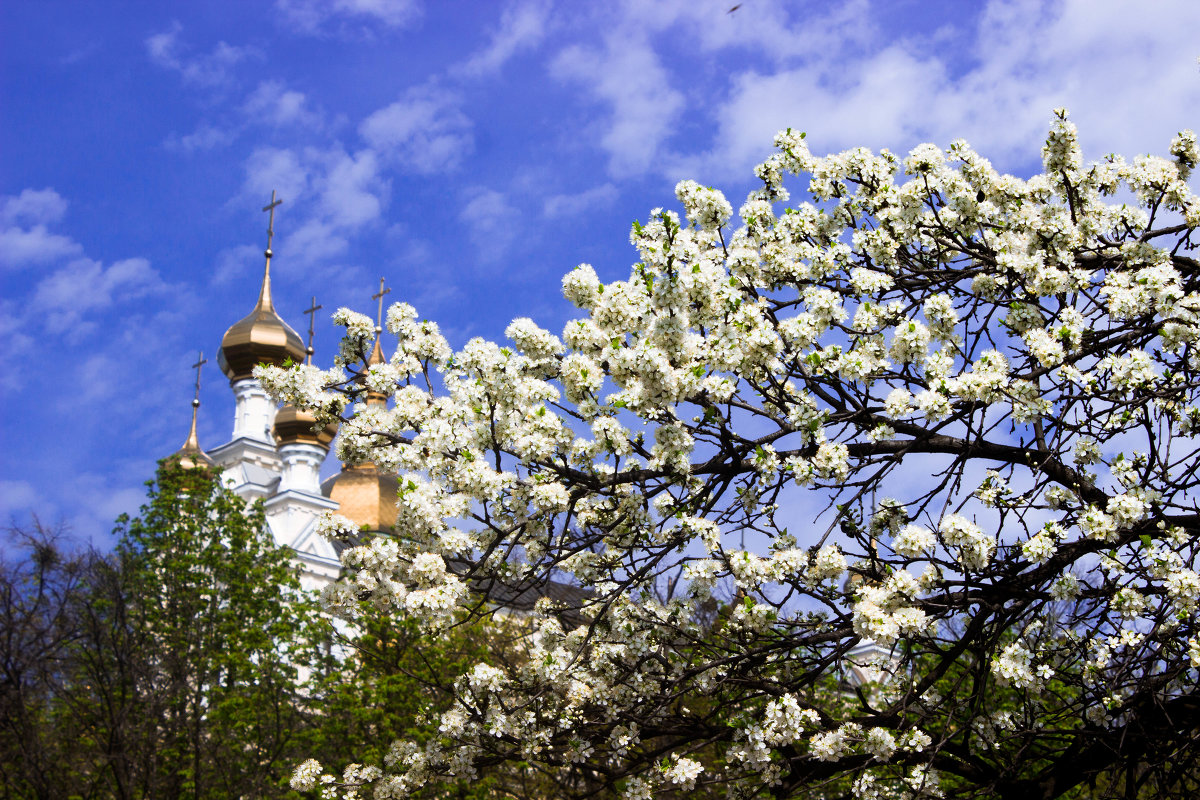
x: 365, y: 494
x: 293, y: 425
x: 377, y: 357
x: 262, y: 337
x: 191, y: 456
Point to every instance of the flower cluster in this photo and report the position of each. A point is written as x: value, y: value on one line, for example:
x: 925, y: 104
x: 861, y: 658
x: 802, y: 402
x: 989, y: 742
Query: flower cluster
x: 1010, y: 362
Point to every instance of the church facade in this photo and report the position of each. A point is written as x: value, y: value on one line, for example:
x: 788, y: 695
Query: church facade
x: 275, y: 454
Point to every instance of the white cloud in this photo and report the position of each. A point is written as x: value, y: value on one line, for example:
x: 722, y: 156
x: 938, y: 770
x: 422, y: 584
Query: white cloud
x: 271, y: 104
x: 111, y: 502
x: 1129, y: 79
x: 19, y: 342
x: 319, y: 16
x: 80, y: 54
x: 627, y: 76
x: 64, y: 297
x: 276, y: 169
x: 33, y: 206
x: 492, y: 223
x: 423, y: 132
x: 311, y: 242
x: 274, y: 104
x: 205, y: 137
x: 569, y: 205
x: 876, y: 105
x: 161, y: 47
x: 17, y: 499
x: 351, y: 189
x: 328, y: 194
x: 24, y: 237
x: 645, y: 93
x: 100, y: 377
x: 96, y: 499
x: 21, y: 247
x: 15, y: 331
x: 522, y: 27
x: 209, y: 70
x: 1126, y: 78
x: 781, y: 30
x: 237, y: 264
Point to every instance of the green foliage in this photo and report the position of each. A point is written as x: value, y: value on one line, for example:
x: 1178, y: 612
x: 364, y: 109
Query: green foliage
x: 172, y: 667
x: 188, y: 663
x: 390, y: 681
x: 224, y: 635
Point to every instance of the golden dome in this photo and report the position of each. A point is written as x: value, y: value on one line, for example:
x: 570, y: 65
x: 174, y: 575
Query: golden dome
x: 295, y: 426
x: 262, y: 337
x: 376, y: 357
x: 190, y: 456
x: 365, y: 495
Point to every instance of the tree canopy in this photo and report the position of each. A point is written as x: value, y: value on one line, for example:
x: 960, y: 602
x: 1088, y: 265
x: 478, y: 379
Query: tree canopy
x: 888, y: 492
x: 224, y: 637
x: 173, y: 667
x: 188, y: 663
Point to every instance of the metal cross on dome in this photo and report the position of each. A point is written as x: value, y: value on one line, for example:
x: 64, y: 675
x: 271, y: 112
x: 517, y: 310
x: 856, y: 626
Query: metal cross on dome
x: 311, y: 311
x: 271, y: 220
x: 379, y: 297
x: 200, y: 362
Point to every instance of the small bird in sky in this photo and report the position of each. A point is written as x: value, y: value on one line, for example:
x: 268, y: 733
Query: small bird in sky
x: 735, y: 8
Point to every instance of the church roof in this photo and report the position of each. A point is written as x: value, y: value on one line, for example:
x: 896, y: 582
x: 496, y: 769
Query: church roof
x: 191, y: 455
x: 295, y: 426
x: 365, y: 495
x: 260, y: 337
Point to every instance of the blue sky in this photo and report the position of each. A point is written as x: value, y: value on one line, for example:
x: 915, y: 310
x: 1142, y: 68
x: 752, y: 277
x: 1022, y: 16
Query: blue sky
x: 469, y: 152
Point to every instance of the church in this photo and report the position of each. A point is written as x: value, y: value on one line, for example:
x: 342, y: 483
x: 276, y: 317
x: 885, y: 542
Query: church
x: 275, y: 455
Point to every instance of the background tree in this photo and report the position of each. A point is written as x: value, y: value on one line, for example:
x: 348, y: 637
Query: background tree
x: 39, y: 591
x: 187, y: 663
x: 173, y: 667
x: 225, y: 639
x: 389, y: 679
x: 949, y: 412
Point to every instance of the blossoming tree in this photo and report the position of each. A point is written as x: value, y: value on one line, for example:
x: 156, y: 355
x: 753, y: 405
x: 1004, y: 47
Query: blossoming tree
x: 891, y: 493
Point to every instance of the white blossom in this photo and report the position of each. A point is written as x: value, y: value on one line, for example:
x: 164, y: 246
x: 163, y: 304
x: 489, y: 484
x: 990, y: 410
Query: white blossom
x: 739, y: 450
x: 913, y: 541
